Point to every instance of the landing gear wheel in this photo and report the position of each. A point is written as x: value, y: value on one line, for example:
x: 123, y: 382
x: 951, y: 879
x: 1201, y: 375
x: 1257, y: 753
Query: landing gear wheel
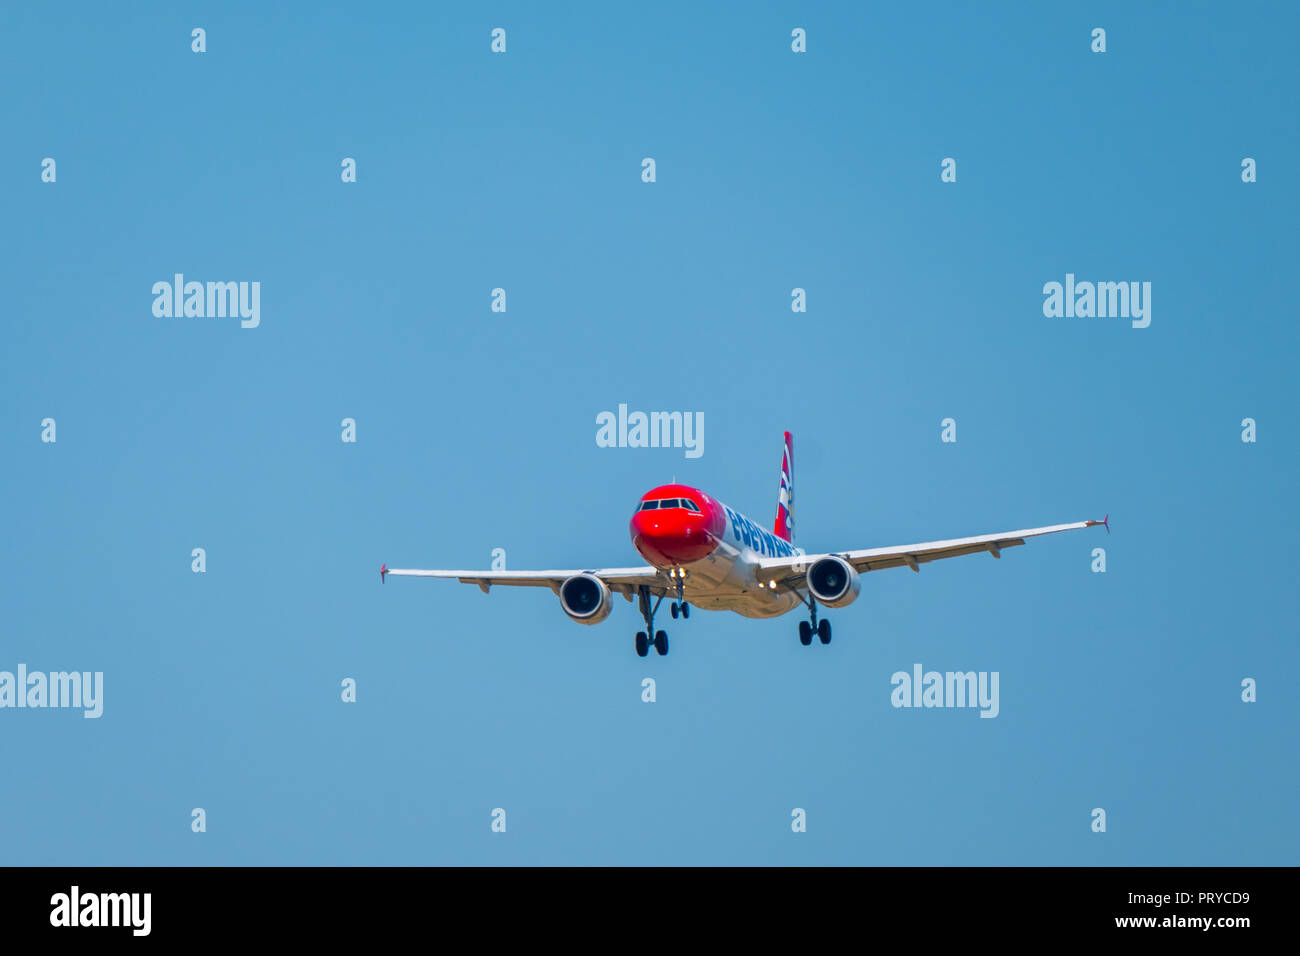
x: 824, y: 630
x: 648, y: 615
x: 686, y: 609
x: 672, y: 609
x: 805, y: 633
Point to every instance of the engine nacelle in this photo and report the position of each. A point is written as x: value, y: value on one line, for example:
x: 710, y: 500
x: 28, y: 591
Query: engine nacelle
x: 586, y: 598
x: 834, y: 582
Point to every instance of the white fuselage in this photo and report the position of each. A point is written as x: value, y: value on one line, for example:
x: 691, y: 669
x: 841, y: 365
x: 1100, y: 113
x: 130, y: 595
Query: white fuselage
x: 727, y: 579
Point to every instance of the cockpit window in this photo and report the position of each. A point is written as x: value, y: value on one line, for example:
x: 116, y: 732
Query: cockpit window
x: 660, y: 503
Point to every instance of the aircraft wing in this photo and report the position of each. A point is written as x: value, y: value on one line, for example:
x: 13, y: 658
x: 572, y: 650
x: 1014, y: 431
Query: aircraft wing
x: 789, y: 572
x: 622, y: 581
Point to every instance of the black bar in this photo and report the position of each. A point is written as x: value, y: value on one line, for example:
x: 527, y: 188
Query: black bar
x: 336, y: 905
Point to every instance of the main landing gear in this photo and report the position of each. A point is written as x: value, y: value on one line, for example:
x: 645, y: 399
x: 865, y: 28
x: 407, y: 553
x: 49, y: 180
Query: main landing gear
x: 679, y: 608
x: 643, y: 640
x: 821, y: 628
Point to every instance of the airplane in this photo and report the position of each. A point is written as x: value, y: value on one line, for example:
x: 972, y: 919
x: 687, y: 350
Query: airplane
x: 705, y: 554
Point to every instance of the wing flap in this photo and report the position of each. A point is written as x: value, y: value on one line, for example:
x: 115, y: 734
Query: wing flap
x: 789, y: 570
x: 623, y: 581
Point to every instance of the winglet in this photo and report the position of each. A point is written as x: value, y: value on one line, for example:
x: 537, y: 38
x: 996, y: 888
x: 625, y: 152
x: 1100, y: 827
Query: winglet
x: 383, y: 572
x: 1104, y: 522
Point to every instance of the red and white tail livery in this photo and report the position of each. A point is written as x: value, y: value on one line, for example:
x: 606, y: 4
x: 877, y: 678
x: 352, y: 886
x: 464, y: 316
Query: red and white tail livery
x: 702, y: 553
x: 785, y: 497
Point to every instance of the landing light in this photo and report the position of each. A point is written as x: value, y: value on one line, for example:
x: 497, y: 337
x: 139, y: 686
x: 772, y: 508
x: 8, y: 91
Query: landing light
x: 771, y: 584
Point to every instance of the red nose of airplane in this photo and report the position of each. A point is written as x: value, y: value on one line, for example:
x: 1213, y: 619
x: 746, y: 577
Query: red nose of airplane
x: 669, y: 532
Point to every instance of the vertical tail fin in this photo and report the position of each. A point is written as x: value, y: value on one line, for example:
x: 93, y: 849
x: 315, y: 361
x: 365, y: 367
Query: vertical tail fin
x: 784, y: 528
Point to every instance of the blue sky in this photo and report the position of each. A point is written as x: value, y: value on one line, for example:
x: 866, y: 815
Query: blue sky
x: 475, y: 430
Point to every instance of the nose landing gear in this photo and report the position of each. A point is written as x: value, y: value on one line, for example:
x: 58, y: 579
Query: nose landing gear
x: 678, y: 576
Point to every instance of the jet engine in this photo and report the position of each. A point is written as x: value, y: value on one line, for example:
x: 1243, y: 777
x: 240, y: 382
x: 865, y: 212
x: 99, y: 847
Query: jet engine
x: 586, y: 598
x: 834, y: 582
